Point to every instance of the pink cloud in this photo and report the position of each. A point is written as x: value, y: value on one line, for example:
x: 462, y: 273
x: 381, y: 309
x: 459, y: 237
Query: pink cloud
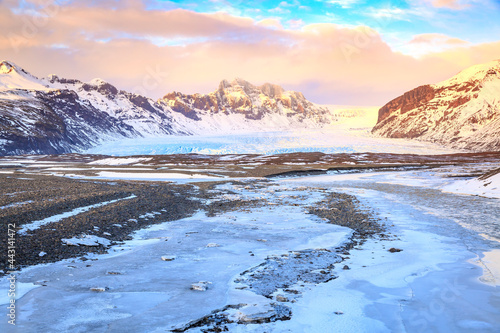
x: 329, y: 63
x: 433, y: 38
x: 453, y: 4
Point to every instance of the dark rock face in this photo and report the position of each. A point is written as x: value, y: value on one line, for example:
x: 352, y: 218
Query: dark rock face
x: 104, y: 88
x: 143, y: 103
x: 179, y: 104
x: 54, y: 122
x: 55, y: 78
x: 408, y: 101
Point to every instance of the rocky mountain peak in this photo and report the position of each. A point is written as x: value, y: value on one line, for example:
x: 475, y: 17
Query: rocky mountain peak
x: 224, y: 84
x: 241, y: 97
x: 237, y: 84
x: 8, y: 67
x: 101, y: 86
x: 98, y: 82
x: 15, y: 77
x: 268, y: 89
x: 474, y: 75
x: 272, y: 90
x: 52, y: 78
x: 237, y: 81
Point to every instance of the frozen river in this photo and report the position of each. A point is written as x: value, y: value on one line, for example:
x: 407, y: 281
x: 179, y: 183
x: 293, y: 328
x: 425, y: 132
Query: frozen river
x: 444, y: 279
x: 448, y: 279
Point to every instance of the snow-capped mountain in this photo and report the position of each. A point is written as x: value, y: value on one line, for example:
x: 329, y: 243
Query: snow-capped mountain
x: 14, y: 77
x: 58, y: 115
x: 462, y: 112
x: 143, y: 114
x: 37, y: 118
x: 239, y: 105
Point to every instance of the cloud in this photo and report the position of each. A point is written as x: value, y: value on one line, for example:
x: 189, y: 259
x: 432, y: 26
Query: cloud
x: 451, y: 4
x: 194, y: 51
x: 423, y: 44
x: 389, y: 13
x: 295, y: 24
x: 343, y: 3
x: 465, y: 56
x: 457, y: 4
x: 434, y: 38
x: 270, y: 23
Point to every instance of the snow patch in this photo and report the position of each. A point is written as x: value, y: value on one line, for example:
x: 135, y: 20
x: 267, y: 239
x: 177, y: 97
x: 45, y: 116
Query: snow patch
x: 489, y: 187
x: 86, y: 240
x: 56, y: 218
x: 120, y: 161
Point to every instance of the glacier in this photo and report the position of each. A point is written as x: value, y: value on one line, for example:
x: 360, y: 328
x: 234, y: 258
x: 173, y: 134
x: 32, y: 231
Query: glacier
x: 329, y: 140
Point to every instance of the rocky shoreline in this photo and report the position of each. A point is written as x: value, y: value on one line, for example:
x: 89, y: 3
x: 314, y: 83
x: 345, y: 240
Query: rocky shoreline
x: 46, y: 196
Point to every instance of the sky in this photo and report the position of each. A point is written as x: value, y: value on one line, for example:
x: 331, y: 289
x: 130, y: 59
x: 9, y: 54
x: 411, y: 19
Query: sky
x: 344, y: 52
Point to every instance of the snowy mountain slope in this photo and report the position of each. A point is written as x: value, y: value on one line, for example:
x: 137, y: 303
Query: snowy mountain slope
x: 143, y: 114
x: 52, y: 122
x: 239, y: 105
x: 36, y: 117
x: 14, y: 77
x: 57, y: 115
x: 462, y: 112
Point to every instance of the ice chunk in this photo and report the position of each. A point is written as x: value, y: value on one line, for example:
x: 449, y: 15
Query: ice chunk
x: 86, y: 240
x: 200, y: 286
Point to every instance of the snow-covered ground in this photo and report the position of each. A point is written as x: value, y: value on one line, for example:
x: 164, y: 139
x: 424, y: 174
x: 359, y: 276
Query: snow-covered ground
x: 147, y: 176
x: 56, y: 218
x: 445, y: 279
x: 488, y: 187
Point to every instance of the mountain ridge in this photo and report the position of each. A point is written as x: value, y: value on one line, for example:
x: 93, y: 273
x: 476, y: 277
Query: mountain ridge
x: 242, y: 97
x: 58, y: 115
x: 462, y: 112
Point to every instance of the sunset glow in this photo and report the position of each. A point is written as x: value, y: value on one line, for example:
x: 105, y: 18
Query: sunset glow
x: 335, y: 52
